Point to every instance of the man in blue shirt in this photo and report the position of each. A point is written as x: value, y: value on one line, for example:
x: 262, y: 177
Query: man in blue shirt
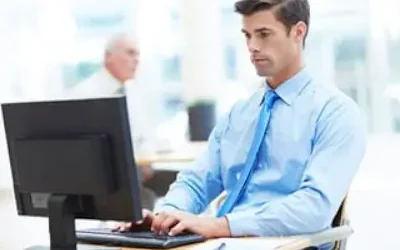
x: 303, y: 141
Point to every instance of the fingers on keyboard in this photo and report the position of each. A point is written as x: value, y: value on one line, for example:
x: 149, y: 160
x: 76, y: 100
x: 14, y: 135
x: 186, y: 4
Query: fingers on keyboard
x: 167, y: 224
x: 122, y: 227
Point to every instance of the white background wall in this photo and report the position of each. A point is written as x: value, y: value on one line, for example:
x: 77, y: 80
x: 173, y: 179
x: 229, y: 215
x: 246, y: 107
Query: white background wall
x: 40, y: 32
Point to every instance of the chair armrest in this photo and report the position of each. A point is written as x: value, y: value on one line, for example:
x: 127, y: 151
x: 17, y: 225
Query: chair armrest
x: 341, y: 245
x: 331, y: 235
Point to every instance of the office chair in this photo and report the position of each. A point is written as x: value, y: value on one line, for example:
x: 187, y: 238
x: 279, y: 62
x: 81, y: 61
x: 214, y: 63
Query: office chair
x: 340, y: 219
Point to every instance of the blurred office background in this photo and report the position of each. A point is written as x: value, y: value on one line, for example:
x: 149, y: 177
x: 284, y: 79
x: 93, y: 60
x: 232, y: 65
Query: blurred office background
x: 49, y: 46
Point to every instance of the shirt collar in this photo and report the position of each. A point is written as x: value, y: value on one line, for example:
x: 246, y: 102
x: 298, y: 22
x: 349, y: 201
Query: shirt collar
x: 114, y: 85
x: 289, y: 90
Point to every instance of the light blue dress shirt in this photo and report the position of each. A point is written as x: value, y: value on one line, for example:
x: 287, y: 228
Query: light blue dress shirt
x: 313, y: 148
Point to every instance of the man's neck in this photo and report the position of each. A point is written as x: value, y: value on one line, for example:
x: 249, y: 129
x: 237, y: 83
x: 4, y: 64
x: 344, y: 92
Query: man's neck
x: 114, y: 76
x: 119, y: 80
x: 285, y: 74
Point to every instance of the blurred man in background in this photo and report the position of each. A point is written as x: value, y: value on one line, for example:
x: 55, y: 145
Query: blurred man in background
x: 121, y: 60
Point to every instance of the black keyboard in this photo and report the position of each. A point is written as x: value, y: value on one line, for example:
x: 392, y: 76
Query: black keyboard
x: 146, y: 239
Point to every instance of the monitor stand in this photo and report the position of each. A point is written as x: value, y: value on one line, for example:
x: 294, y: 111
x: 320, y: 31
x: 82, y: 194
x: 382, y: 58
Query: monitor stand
x: 62, y: 209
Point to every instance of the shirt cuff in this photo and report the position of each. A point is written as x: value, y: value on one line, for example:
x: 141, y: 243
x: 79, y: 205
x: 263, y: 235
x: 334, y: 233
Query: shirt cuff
x: 240, y: 225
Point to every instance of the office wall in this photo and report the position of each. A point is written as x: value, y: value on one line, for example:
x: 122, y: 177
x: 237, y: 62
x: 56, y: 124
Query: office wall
x: 31, y: 47
x: 52, y: 45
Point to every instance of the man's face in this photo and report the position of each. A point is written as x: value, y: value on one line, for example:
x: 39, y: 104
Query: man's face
x: 271, y: 46
x: 122, y: 60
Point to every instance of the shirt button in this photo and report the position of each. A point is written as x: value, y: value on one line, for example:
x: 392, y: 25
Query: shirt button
x: 259, y: 165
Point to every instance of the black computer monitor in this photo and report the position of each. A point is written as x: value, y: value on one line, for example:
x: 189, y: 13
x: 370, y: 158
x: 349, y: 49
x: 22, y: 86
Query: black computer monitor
x: 72, y: 159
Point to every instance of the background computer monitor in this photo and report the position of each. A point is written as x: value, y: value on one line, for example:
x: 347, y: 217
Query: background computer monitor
x: 72, y: 159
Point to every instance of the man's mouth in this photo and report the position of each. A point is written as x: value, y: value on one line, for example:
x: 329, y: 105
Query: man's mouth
x: 259, y: 60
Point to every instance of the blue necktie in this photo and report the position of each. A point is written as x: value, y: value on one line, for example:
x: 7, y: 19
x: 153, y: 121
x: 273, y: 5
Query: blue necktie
x: 259, y: 135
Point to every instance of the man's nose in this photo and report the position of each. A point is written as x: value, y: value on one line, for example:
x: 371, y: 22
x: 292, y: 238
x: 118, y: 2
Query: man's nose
x: 253, y: 45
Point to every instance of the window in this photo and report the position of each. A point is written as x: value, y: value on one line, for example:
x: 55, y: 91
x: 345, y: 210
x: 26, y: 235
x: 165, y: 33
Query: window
x: 73, y: 74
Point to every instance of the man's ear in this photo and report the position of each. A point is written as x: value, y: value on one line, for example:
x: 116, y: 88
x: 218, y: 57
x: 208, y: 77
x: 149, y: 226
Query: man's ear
x: 299, y: 31
x: 107, y: 54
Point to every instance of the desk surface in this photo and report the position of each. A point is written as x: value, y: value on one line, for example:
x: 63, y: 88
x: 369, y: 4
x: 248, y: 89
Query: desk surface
x: 185, y: 153
x: 288, y: 243
x: 177, y: 248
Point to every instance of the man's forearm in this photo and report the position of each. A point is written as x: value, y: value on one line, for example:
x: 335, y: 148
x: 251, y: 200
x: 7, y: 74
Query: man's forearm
x: 185, y: 194
x: 177, y: 199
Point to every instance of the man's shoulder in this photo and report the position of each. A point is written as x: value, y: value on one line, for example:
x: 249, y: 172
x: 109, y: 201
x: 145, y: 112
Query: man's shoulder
x: 84, y: 87
x: 333, y: 104
x: 99, y: 84
x: 329, y: 96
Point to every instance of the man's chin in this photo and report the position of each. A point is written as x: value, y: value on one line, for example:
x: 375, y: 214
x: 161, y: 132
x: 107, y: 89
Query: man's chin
x: 264, y: 73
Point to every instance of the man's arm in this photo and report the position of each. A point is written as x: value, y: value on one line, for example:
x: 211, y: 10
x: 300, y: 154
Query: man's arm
x: 338, y: 149
x: 198, y: 185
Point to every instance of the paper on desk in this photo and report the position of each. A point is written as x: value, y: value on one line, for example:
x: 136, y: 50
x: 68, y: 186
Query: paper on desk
x: 242, y: 243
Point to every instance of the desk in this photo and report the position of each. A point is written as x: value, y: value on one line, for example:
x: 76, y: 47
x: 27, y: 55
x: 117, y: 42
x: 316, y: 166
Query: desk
x: 185, y: 153
x: 259, y: 244
x: 34, y: 231
x: 177, y: 248
x: 288, y: 243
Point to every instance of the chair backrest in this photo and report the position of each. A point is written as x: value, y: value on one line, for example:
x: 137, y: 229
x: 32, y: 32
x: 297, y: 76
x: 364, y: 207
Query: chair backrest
x: 340, y: 219
x: 340, y: 215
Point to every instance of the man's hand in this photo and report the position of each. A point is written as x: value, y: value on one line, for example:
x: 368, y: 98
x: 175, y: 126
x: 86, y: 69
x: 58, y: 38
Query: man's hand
x: 146, y: 173
x: 174, y: 223
x: 143, y: 225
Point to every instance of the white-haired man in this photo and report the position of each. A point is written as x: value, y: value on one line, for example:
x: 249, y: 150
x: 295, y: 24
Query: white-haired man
x: 121, y: 59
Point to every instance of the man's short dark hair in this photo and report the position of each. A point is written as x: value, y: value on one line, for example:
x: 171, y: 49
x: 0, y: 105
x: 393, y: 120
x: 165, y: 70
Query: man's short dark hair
x: 289, y: 12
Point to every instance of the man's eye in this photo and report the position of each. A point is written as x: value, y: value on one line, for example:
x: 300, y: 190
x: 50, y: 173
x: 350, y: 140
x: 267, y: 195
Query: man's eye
x: 247, y: 36
x: 130, y: 52
x: 265, y: 35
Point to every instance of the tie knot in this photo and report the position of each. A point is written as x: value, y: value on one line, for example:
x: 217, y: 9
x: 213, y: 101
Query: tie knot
x: 120, y: 91
x: 270, y: 98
